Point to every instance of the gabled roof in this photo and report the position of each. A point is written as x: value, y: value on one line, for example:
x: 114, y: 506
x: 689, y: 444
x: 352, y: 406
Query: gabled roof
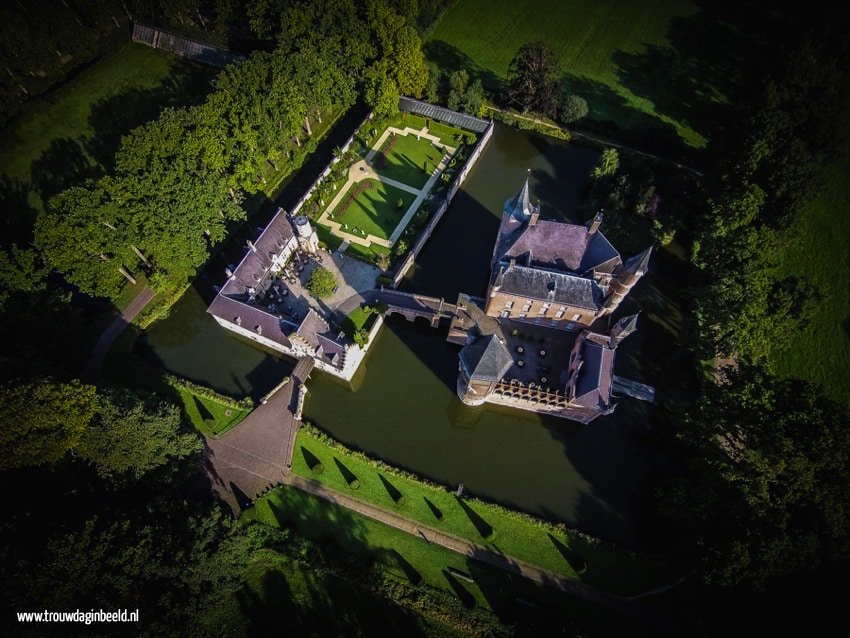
x: 486, y: 359
x: 593, y: 387
x: 560, y: 246
x: 556, y: 287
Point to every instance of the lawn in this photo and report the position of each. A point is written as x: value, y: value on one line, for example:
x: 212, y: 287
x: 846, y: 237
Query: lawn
x: 72, y: 132
x: 374, y: 209
x: 366, y: 253
x: 357, y: 319
x: 209, y: 416
x: 406, y: 159
x: 818, y: 251
x: 570, y: 555
x: 357, y: 538
x: 663, y: 65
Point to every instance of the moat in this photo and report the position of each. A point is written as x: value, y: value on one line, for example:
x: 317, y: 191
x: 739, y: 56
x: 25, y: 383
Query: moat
x: 404, y: 408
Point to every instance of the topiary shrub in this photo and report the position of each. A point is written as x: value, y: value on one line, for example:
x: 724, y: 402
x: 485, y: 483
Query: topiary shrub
x: 401, y: 500
x: 318, y: 468
x: 355, y: 484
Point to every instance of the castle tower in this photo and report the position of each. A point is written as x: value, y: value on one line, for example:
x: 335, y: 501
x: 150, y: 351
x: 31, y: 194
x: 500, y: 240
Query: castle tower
x: 519, y: 206
x: 308, y: 240
x: 625, y: 279
x: 622, y: 329
x: 482, y: 364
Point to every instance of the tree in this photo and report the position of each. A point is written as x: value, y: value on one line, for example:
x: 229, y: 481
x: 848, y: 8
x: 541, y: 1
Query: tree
x: 361, y: 337
x: 608, y: 164
x: 458, y: 81
x: 400, y: 248
x: 381, y: 91
x: 573, y: 108
x: 432, y: 89
x: 321, y: 282
x: 533, y: 79
x: 767, y: 490
x: 473, y: 101
x: 132, y: 434
x: 41, y: 421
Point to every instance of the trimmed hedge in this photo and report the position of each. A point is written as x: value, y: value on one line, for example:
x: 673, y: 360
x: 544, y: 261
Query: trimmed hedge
x: 208, y: 393
x: 526, y: 125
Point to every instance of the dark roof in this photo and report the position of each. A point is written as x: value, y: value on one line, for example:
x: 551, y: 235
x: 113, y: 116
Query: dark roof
x: 519, y: 206
x: 556, y: 287
x: 593, y: 387
x: 565, y: 247
x: 271, y: 327
x: 486, y: 358
x: 316, y: 331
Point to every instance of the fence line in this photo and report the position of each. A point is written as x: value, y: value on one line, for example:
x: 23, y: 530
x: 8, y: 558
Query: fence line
x: 184, y: 47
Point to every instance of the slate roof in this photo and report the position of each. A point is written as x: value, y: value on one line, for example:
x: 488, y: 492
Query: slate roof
x: 316, y: 331
x: 593, y: 387
x: 519, y: 206
x: 556, y: 287
x: 271, y: 326
x: 560, y: 246
x: 486, y: 359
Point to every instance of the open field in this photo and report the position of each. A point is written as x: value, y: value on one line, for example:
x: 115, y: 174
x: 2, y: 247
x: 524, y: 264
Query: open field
x: 407, y: 160
x: 656, y: 67
x: 515, y: 535
x: 73, y: 132
x: 374, y: 209
x: 818, y: 252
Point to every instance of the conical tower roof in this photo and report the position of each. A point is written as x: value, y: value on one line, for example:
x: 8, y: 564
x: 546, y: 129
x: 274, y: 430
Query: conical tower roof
x: 519, y: 206
x: 639, y: 264
x: 623, y: 328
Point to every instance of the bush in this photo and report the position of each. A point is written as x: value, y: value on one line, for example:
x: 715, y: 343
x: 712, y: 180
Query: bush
x: 573, y: 109
x: 318, y: 468
x: 401, y: 500
x: 321, y: 282
x: 355, y: 484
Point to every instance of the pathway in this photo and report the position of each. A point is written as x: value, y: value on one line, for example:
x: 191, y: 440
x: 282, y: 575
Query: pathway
x: 363, y: 170
x: 481, y: 553
x: 94, y: 365
x: 600, y: 140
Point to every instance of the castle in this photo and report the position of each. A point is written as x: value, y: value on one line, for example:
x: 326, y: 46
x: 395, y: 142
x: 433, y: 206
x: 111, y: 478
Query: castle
x: 539, y: 339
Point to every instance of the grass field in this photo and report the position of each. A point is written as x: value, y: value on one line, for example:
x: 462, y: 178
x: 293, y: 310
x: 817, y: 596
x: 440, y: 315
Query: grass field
x: 818, y: 251
x: 409, y: 161
x: 73, y: 132
x: 655, y: 65
x: 571, y: 556
x: 357, y: 538
x: 209, y: 416
x: 374, y: 210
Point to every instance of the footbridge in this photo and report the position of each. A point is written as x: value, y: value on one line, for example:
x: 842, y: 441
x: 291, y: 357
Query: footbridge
x: 410, y: 306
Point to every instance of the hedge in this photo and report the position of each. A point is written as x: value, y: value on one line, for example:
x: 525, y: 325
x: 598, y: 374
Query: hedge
x: 208, y: 393
x: 526, y: 125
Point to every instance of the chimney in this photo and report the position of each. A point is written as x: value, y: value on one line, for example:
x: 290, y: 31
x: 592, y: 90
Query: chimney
x: 595, y: 223
x: 511, y: 264
x: 535, y: 215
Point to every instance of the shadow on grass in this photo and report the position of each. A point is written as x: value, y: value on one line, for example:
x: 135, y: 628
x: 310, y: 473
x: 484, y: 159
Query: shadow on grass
x: 206, y: 415
x: 436, y: 511
x: 483, y: 527
x: 394, y: 493
x: 465, y: 596
x: 409, y: 570
x: 573, y: 560
x: 347, y: 474
x: 312, y: 461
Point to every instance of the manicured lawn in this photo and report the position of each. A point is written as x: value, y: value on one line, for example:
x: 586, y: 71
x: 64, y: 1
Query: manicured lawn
x: 636, y: 63
x: 278, y: 591
x: 73, y: 132
x: 209, y: 416
x: 356, y: 320
x: 367, y: 254
x: 374, y: 209
x: 818, y: 252
x: 408, y: 160
x: 569, y: 555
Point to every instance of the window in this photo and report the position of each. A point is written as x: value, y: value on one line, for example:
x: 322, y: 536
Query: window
x: 576, y: 317
x: 543, y: 310
x: 509, y: 304
x: 526, y: 307
x: 569, y: 325
x: 506, y: 314
x: 559, y: 314
x: 522, y: 315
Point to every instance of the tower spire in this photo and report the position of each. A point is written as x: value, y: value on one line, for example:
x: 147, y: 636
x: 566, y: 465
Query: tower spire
x: 519, y: 206
x: 622, y: 329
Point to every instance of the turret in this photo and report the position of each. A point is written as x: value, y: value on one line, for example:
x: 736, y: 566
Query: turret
x: 626, y: 278
x: 519, y: 206
x: 622, y: 329
x: 307, y: 238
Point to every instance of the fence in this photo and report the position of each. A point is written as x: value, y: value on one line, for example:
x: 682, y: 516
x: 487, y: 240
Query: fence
x: 456, y: 184
x: 184, y: 47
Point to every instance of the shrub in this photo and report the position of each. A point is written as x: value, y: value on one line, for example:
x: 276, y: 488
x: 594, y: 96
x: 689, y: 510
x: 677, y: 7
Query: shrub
x: 318, y: 468
x: 355, y: 484
x: 573, y: 109
x: 321, y: 282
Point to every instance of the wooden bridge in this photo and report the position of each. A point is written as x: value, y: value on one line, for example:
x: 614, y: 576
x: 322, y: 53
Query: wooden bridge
x: 410, y: 306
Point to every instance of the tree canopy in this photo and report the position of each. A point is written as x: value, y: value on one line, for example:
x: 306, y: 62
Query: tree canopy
x: 534, y: 79
x: 321, y: 282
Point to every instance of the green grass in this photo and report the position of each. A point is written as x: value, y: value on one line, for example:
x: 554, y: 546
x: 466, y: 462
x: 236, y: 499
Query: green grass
x: 374, y: 210
x: 366, y: 253
x: 356, y: 320
x: 569, y: 555
x: 611, y: 53
x: 278, y: 591
x: 327, y: 237
x: 407, y: 160
x: 818, y: 252
x: 73, y: 132
x: 216, y: 418
x: 449, y: 134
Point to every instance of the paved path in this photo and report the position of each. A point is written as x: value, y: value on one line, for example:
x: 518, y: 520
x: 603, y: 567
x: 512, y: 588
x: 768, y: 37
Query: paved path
x: 364, y: 170
x: 119, y: 324
x: 600, y: 140
x: 481, y: 553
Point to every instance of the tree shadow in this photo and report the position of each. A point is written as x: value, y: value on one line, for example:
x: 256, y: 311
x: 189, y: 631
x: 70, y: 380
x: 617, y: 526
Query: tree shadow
x: 64, y: 164
x: 409, y: 570
x: 450, y: 58
x: 394, y: 493
x: 573, y: 560
x: 206, y: 415
x: 464, y: 595
x: 311, y: 460
x: 438, y: 514
x: 18, y: 214
x: 347, y: 474
x: 482, y: 527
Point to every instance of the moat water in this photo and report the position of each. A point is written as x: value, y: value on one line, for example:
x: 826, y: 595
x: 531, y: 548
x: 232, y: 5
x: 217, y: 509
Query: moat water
x: 402, y: 406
